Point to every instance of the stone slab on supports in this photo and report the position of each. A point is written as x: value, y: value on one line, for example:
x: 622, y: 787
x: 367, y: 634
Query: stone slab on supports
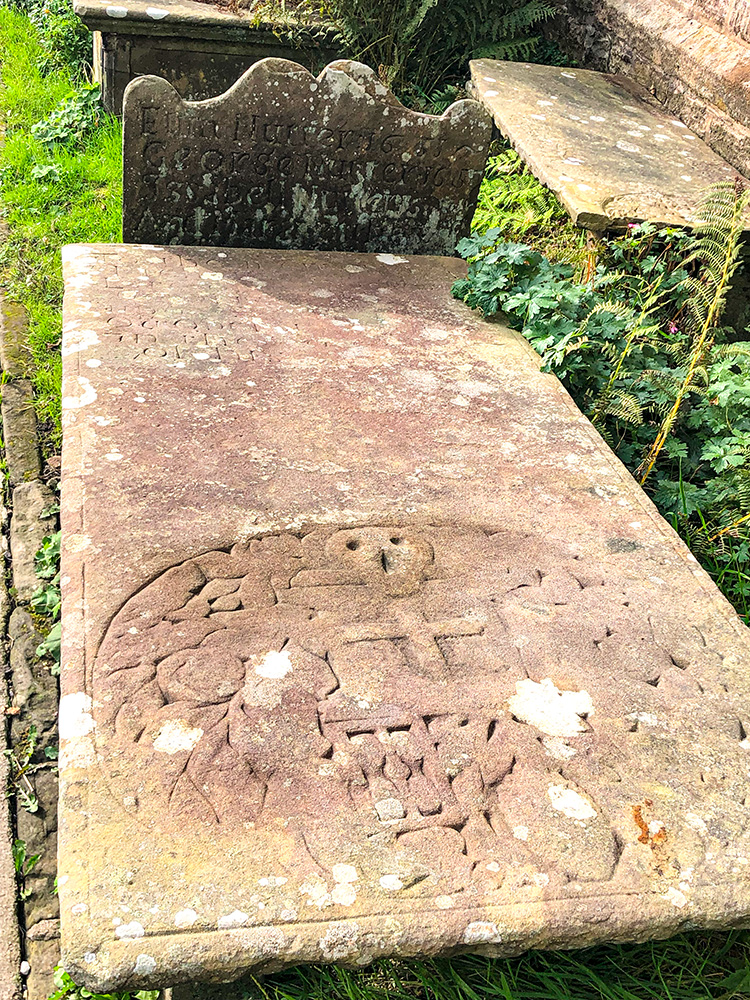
x: 200, y: 48
x: 600, y: 143
x: 371, y: 646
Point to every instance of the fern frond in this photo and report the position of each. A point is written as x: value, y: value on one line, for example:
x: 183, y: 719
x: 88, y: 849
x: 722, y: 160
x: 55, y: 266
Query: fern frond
x: 624, y: 406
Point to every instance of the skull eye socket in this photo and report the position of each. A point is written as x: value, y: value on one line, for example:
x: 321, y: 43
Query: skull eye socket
x: 353, y: 545
x: 395, y: 540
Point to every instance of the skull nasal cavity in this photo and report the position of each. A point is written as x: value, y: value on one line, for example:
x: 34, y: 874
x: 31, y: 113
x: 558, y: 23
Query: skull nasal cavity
x: 385, y: 562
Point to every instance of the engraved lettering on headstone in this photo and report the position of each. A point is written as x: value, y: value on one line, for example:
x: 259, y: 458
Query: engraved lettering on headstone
x: 285, y: 160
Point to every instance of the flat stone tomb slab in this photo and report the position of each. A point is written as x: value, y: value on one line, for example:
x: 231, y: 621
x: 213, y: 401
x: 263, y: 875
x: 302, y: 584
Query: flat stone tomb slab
x: 600, y: 143
x: 371, y: 645
x: 285, y: 159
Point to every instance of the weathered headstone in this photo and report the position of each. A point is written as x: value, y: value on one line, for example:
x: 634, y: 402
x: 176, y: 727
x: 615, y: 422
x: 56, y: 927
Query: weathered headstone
x: 371, y: 646
x: 288, y: 160
x: 601, y: 143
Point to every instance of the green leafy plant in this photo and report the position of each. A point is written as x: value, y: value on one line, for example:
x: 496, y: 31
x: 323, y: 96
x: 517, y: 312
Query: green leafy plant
x: 514, y: 204
x: 73, y: 119
x: 638, y: 342
x: 24, y: 865
x: 66, y: 989
x: 42, y: 214
x: 47, y: 600
x: 20, y: 760
x: 66, y: 42
x: 717, y: 249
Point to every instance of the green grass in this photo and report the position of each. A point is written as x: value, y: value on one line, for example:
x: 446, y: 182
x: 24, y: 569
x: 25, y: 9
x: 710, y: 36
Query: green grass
x: 688, y: 967
x: 81, y: 204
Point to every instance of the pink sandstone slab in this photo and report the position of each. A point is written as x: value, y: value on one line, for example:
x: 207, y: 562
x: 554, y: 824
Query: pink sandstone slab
x: 371, y: 646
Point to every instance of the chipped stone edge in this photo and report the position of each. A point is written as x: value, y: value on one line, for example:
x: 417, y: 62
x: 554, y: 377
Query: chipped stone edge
x: 139, y: 963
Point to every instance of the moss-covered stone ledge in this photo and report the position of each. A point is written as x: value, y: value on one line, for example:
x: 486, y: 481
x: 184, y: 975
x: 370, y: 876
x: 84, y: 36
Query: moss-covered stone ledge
x: 201, y: 49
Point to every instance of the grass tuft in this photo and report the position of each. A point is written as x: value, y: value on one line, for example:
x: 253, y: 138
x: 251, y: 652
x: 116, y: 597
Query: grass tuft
x: 52, y: 194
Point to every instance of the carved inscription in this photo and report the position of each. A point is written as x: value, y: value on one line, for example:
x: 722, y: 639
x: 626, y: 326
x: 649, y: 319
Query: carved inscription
x: 455, y: 702
x: 172, y: 328
x: 285, y: 160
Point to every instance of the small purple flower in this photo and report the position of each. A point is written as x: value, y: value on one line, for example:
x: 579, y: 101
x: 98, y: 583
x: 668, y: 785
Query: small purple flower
x: 673, y: 328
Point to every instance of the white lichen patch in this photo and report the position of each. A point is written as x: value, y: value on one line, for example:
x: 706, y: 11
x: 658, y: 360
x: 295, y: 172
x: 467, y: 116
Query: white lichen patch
x: 77, y: 340
x: 75, y: 718
x: 646, y: 718
x: 481, y: 932
x: 85, y: 396
x: 144, y: 965
x: 234, y: 919
x: 157, y: 13
x: 389, y: 258
x: 344, y: 873
x: 74, y: 543
x: 391, y: 882
x: 389, y: 810
x: 128, y: 932
x: 444, y: 902
x: 343, y: 894
x: 553, y: 712
x: 558, y: 748
x: 317, y: 892
x: 675, y: 897
x: 570, y: 803
x: 117, y: 12
x: 185, y: 918
x: 696, y: 822
x: 273, y: 665
x: 340, y: 942
x: 521, y: 832
x: 176, y: 736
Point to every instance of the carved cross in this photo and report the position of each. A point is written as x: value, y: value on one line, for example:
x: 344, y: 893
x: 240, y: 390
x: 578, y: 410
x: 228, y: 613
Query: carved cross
x: 420, y: 637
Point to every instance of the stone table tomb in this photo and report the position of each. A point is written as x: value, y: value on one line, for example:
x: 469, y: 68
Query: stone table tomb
x: 371, y: 646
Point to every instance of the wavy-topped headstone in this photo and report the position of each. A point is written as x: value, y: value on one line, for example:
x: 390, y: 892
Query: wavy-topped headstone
x: 371, y: 645
x: 288, y: 160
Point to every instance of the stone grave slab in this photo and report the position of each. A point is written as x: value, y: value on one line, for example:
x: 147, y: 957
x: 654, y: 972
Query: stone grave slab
x: 285, y: 159
x: 600, y: 143
x: 371, y: 646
